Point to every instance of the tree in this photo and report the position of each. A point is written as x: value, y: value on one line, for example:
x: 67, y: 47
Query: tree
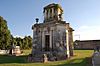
x: 26, y: 42
x: 29, y: 41
x: 5, y: 35
x: 7, y: 40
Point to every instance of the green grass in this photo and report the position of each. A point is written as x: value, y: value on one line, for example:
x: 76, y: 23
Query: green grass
x: 80, y: 58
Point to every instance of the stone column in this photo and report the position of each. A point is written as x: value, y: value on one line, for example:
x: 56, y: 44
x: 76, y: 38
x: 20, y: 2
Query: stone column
x: 43, y: 38
x: 50, y: 39
x: 71, y: 42
x: 46, y: 14
x: 52, y: 12
x: 67, y: 41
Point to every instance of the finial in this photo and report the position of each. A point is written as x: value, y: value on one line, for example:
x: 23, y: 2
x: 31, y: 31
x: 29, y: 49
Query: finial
x: 37, y: 20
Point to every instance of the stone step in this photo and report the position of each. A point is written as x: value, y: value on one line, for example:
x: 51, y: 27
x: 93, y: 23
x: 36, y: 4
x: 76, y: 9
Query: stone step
x: 37, y: 59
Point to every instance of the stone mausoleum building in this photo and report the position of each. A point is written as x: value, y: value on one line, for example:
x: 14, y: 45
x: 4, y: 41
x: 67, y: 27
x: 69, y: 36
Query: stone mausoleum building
x: 53, y: 37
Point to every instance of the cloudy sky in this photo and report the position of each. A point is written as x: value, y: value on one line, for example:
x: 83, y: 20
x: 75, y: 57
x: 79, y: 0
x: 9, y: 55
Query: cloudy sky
x: 83, y: 16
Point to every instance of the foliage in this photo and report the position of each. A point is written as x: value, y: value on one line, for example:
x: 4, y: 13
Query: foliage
x: 25, y: 43
x: 7, y: 40
x: 4, y: 34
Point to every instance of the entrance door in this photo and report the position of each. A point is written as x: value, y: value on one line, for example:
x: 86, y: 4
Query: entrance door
x: 47, y: 42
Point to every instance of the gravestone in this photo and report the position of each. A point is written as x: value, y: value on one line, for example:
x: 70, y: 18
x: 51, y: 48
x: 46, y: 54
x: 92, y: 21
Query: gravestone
x: 15, y: 50
x: 96, y: 57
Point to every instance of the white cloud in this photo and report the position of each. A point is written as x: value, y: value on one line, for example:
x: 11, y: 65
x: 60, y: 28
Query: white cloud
x: 87, y: 33
x: 18, y: 36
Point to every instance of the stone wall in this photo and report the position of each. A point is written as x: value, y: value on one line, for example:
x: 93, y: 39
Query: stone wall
x: 86, y: 44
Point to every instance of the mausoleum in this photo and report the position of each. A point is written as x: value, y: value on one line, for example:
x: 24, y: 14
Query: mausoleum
x: 53, y: 37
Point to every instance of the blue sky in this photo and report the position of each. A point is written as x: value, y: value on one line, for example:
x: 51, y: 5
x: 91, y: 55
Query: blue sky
x: 83, y: 16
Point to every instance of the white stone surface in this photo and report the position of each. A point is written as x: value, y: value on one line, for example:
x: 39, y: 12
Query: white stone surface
x: 4, y: 51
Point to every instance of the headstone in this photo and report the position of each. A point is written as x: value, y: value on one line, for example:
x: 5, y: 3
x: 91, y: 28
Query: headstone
x: 45, y: 59
x: 15, y: 50
x: 96, y: 58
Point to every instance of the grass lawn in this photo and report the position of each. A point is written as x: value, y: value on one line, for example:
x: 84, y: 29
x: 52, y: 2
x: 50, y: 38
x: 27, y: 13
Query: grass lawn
x: 80, y: 58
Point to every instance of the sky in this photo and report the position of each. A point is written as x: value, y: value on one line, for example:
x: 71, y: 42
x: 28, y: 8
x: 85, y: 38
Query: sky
x: 83, y: 16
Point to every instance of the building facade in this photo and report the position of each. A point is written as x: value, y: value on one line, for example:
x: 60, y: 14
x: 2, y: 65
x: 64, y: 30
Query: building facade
x: 53, y: 37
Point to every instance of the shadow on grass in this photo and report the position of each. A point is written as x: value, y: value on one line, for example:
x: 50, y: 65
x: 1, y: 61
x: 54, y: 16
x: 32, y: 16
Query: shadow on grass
x: 23, y: 59
x: 77, y: 62
x: 13, y: 59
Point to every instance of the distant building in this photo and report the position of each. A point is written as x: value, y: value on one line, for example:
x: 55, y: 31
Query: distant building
x: 86, y: 44
x: 53, y: 37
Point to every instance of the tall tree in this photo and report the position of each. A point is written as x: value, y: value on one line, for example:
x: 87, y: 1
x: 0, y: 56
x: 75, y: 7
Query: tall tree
x: 26, y: 42
x: 5, y: 35
x: 29, y: 41
x: 7, y: 40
